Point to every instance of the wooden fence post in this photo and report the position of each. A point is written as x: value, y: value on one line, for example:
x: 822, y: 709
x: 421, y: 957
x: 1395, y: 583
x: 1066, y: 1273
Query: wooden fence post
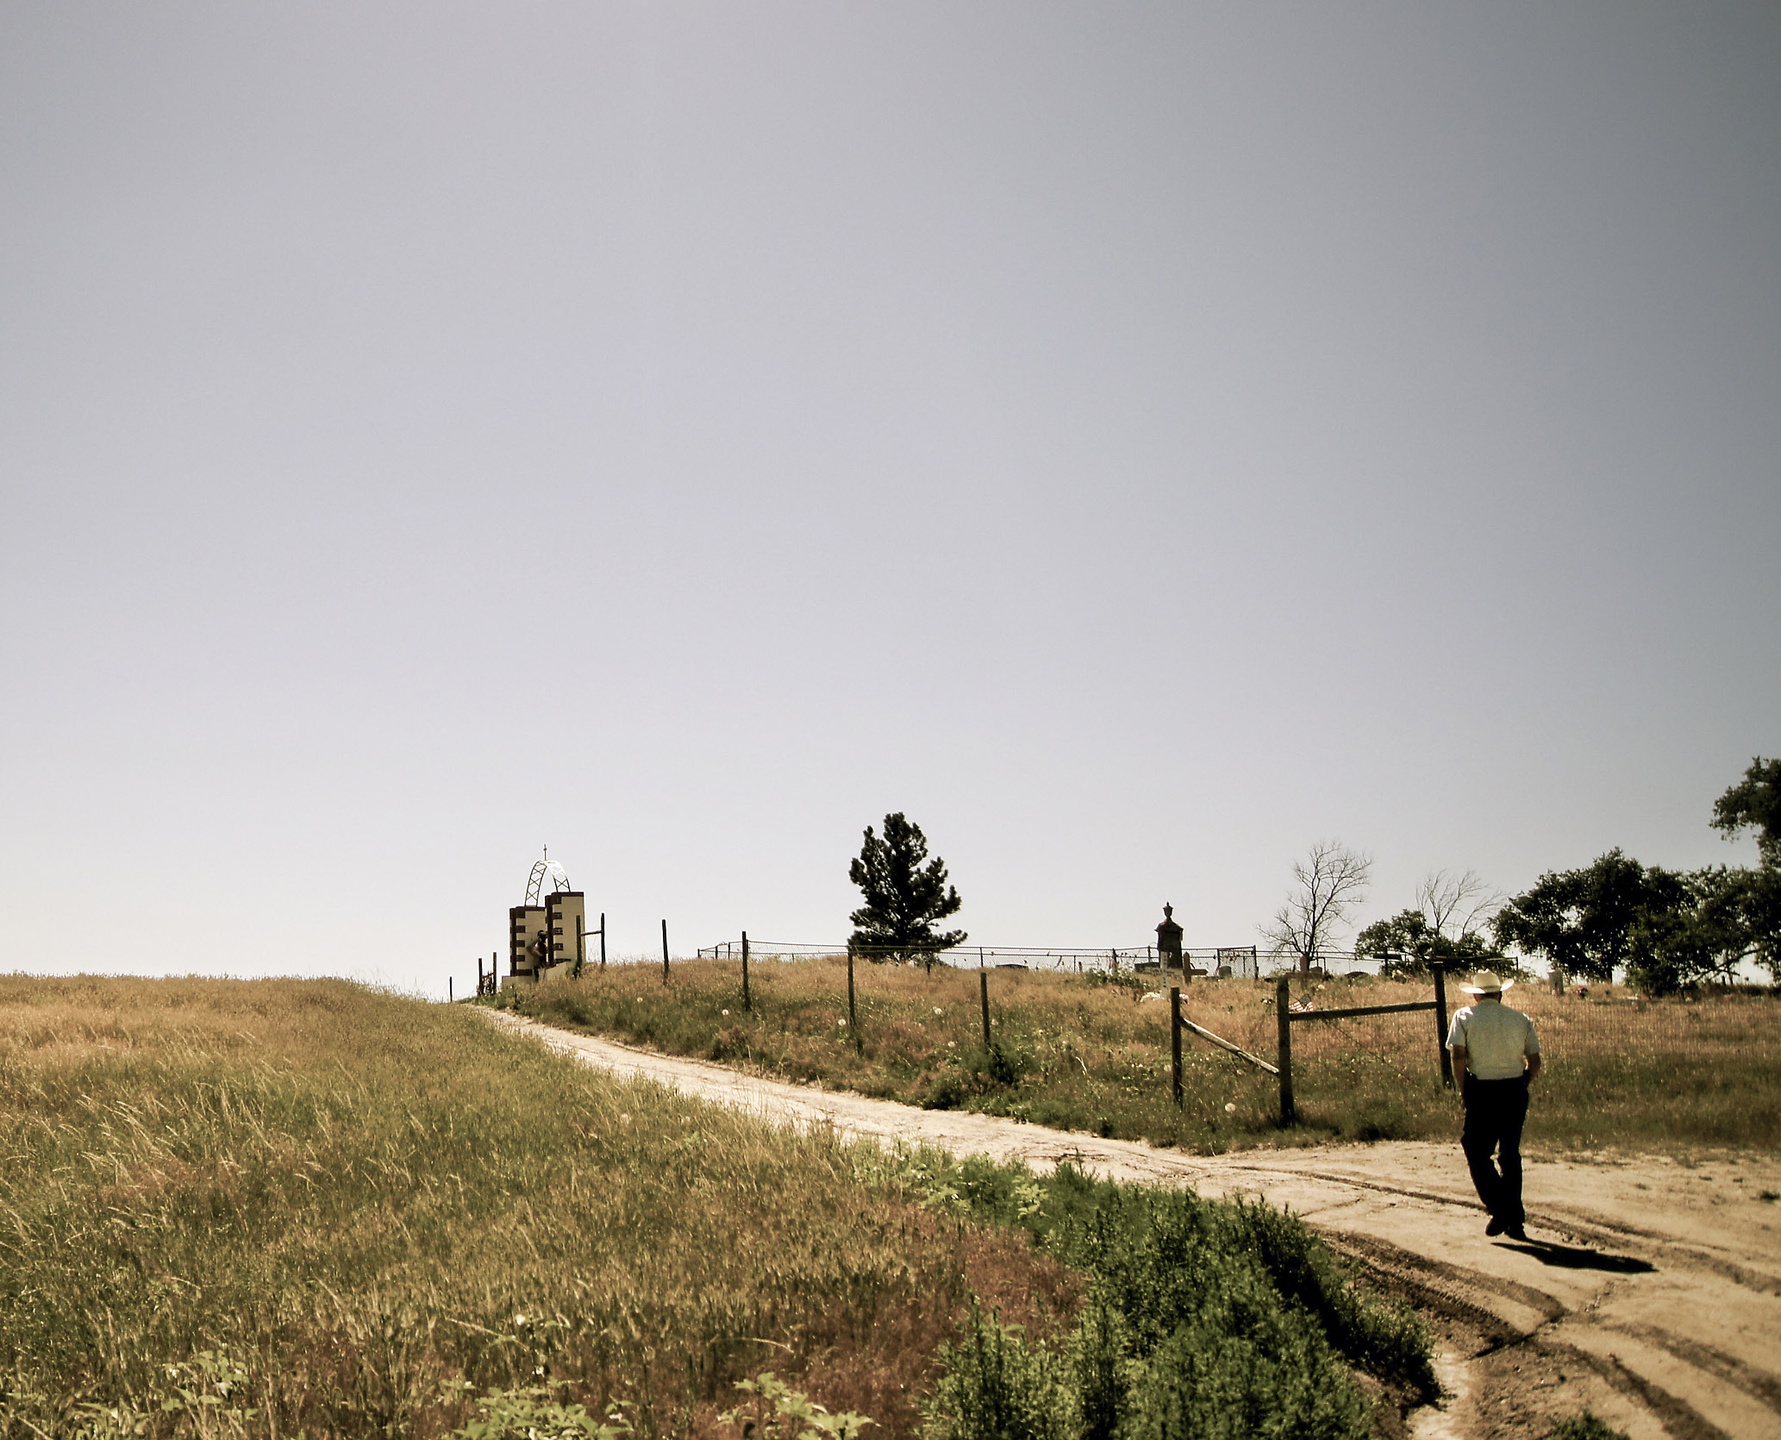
x: 853, y: 1019
x: 1283, y: 1018
x: 1175, y: 1043
x: 983, y: 996
x: 664, y: 952
x: 1440, y: 972
x: 602, y: 939
x: 746, y: 1004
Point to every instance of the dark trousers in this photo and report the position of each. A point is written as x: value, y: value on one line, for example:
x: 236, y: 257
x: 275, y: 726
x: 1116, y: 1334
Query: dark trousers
x: 1495, y: 1113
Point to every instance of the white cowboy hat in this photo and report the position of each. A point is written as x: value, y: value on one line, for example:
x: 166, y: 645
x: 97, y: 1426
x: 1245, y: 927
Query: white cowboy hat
x: 1487, y: 982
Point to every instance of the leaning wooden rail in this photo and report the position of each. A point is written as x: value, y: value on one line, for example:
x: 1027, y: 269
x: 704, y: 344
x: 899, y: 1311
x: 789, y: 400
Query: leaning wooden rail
x: 1177, y: 1023
x: 1223, y: 1044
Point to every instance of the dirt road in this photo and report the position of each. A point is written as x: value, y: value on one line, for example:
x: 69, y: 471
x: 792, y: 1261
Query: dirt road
x: 1650, y: 1292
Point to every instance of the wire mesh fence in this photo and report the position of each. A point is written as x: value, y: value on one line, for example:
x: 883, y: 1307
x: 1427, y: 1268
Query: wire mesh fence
x: 1603, y: 1023
x: 1592, y: 1045
x: 1094, y: 1047
x: 1240, y: 962
x: 1712, y: 1024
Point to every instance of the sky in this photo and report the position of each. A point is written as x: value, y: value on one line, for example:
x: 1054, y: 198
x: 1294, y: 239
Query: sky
x: 1136, y: 441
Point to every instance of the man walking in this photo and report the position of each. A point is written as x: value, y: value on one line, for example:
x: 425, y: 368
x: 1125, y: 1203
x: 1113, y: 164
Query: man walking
x: 1497, y: 1055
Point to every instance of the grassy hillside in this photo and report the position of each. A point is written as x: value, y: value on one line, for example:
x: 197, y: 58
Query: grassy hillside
x: 361, y: 1200
x: 1083, y: 1053
x: 304, y: 1208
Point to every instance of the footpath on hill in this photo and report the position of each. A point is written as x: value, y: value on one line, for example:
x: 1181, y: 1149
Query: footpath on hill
x: 1649, y: 1290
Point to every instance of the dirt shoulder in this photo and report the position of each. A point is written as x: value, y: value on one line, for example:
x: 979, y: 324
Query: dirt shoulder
x: 1650, y: 1291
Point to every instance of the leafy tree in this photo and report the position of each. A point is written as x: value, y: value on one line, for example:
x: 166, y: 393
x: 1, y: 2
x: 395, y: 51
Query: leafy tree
x: 1695, y: 929
x: 904, y: 896
x: 1754, y: 803
x: 1738, y: 916
x: 1748, y: 902
x: 1667, y: 929
x: 1328, y: 883
x: 1615, y: 914
x: 1409, y: 945
x: 1445, y: 928
x: 1759, y: 905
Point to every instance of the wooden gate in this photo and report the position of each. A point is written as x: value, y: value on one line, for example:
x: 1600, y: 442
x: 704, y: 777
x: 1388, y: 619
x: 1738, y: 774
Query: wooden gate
x: 1286, y: 1017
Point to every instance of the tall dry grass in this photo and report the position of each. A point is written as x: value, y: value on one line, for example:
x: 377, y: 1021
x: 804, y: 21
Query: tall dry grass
x: 1085, y: 1053
x: 305, y: 1208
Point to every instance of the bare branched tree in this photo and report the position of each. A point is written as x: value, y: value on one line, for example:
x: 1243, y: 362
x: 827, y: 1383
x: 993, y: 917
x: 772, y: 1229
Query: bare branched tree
x: 1328, y: 883
x: 1457, y: 905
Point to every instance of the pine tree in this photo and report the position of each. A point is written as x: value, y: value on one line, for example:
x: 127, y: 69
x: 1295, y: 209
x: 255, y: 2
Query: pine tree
x: 904, y: 896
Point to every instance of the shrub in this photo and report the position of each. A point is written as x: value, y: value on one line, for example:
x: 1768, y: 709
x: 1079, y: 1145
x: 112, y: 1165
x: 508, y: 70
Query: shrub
x: 1203, y: 1319
x: 998, y: 1387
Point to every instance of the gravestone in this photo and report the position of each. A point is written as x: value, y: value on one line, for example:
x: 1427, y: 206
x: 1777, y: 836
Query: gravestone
x: 1168, y: 941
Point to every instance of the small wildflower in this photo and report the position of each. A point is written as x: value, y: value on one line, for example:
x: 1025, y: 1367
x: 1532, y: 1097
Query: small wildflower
x: 938, y: 1010
x: 1230, y: 1109
x: 952, y: 1044
x: 842, y: 1024
x: 726, y: 1012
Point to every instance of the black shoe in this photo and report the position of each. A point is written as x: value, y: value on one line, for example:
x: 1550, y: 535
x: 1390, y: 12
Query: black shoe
x: 1495, y: 1227
x: 1515, y: 1231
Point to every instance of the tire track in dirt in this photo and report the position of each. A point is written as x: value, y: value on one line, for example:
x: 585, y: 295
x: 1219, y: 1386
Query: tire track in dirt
x: 1648, y: 1293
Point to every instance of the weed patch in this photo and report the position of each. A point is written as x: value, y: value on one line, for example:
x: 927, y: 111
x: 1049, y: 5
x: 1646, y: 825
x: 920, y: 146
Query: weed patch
x: 1200, y: 1319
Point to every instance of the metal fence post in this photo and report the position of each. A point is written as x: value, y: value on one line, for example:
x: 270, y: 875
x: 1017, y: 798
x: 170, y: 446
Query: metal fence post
x: 983, y: 996
x: 1440, y: 972
x: 1175, y: 1043
x: 746, y: 1004
x: 1283, y: 1018
x: 602, y: 939
x: 664, y: 952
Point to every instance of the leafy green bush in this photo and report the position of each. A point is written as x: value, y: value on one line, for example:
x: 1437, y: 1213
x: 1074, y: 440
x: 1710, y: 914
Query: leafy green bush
x: 998, y: 1387
x: 1386, y: 1340
x: 782, y: 1413
x: 534, y: 1414
x: 1241, y: 1370
x: 1203, y: 1320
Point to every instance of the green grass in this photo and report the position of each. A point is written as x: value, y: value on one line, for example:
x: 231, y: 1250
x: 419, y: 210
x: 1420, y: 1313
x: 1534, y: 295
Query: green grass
x: 1082, y: 1053
x: 354, y: 1214
x: 305, y: 1208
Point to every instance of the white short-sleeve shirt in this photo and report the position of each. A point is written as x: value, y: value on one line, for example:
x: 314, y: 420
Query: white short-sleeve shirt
x: 1497, y: 1040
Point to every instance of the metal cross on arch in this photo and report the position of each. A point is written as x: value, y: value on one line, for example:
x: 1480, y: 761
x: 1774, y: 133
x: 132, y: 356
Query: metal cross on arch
x: 559, y: 878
